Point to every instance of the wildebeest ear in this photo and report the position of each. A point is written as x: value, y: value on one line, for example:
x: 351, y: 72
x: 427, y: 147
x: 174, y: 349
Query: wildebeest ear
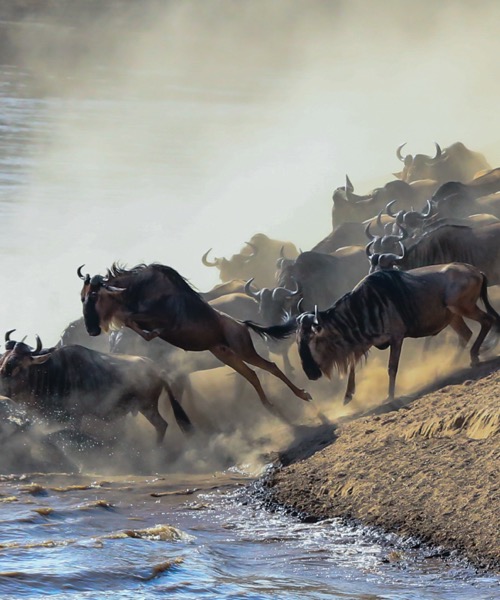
x: 39, y: 360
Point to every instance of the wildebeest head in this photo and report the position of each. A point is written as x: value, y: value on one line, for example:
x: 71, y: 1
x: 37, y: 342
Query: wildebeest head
x: 99, y: 301
x: 235, y: 267
x: 274, y: 304
x: 419, y: 166
x: 307, y: 333
x: 383, y: 261
x: 17, y: 361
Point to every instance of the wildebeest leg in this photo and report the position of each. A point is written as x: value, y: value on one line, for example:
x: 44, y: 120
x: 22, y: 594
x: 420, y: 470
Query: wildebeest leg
x: 394, y: 355
x: 351, y: 386
x: 146, y: 335
x: 287, y: 365
x: 463, y: 331
x: 228, y: 357
x: 152, y: 414
x: 486, y: 323
x: 180, y: 415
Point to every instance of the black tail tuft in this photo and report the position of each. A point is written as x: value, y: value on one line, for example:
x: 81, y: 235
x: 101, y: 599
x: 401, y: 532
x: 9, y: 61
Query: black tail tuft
x: 275, y: 332
x: 180, y: 415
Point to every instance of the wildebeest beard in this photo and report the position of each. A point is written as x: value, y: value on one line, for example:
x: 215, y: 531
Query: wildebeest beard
x: 355, y: 321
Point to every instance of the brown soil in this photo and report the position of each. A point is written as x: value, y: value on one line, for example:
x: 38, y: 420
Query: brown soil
x: 428, y: 469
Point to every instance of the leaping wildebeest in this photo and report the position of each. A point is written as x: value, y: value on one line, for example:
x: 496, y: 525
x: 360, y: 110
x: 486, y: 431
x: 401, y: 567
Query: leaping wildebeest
x: 156, y: 301
x: 388, y: 306
x: 70, y: 382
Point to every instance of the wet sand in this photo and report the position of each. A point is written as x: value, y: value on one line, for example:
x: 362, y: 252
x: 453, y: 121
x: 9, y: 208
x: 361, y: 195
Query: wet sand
x: 427, y: 467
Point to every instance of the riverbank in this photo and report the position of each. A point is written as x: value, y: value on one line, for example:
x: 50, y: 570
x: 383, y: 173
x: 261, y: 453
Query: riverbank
x: 430, y: 469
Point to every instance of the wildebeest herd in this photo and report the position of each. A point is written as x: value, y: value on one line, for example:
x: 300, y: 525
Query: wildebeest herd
x: 432, y: 240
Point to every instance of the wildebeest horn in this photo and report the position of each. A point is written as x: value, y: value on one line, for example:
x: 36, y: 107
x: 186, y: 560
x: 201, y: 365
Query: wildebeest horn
x: 348, y: 184
x: 388, y: 209
x: 299, y: 306
x: 7, y: 334
x: 368, y: 248
x: 398, y: 152
x: 254, y: 248
x: 316, y: 315
x: 38, y: 344
x: 438, y: 151
x: 206, y: 262
x: 369, y: 235
x: 86, y: 279
x: 113, y: 288
x: 403, y: 250
x: 249, y: 291
x: 430, y: 209
x: 404, y: 232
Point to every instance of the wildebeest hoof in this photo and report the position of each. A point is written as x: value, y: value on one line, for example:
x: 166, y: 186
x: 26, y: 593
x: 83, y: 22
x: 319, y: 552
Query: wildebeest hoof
x: 305, y: 395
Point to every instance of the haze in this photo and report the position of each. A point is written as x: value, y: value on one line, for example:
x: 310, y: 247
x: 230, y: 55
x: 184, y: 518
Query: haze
x: 199, y: 124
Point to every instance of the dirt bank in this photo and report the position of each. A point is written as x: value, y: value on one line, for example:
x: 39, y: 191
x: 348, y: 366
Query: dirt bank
x: 430, y: 469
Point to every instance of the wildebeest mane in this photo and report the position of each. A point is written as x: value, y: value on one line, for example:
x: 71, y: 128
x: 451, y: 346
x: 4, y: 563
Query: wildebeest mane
x: 170, y: 293
x: 443, y: 244
x: 359, y: 317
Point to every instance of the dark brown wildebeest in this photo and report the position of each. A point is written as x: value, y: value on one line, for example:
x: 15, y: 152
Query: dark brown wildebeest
x: 351, y: 207
x: 258, y: 264
x: 455, y: 163
x: 71, y: 382
x: 479, y: 247
x: 156, y: 301
x: 388, y: 306
x: 323, y: 278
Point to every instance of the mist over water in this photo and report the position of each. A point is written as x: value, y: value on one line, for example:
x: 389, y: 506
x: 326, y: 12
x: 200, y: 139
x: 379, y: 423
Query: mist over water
x: 196, y: 125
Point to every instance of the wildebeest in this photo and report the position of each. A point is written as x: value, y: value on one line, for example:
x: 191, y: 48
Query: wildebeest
x: 156, y: 301
x: 71, y: 382
x: 388, y: 306
x: 454, y: 163
x: 479, y: 247
x: 348, y: 206
x: 323, y: 278
x: 455, y: 199
x: 258, y: 264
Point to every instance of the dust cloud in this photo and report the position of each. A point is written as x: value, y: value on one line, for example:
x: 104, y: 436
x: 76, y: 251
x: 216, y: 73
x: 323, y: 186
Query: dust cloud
x: 161, y: 132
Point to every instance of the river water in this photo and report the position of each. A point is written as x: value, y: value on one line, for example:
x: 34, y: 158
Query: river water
x: 95, y: 531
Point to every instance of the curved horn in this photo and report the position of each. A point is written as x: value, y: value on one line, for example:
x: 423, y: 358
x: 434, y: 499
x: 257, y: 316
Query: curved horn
x: 206, y: 262
x: 368, y: 249
x: 348, y: 184
x: 249, y: 291
x: 7, y: 335
x: 404, y: 232
x: 316, y: 315
x: 38, y: 344
x: 438, y: 151
x: 430, y: 209
x: 299, y: 306
x: 369, y: 235
x: 398, y: 152
x: 254, y: 248
x: 79, y: 272
x: 388, y: 209
x: 403, y: 250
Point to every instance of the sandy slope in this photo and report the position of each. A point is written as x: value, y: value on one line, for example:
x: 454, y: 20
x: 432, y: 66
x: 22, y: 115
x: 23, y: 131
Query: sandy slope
x: 430, y: 469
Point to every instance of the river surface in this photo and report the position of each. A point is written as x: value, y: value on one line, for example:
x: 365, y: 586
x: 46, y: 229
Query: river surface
x: 193, y: 534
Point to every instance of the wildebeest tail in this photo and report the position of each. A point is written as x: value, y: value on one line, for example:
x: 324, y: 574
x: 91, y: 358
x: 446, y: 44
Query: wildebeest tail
x: 180, y: 415
x: 489, y: 309
x: 275, y: 332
